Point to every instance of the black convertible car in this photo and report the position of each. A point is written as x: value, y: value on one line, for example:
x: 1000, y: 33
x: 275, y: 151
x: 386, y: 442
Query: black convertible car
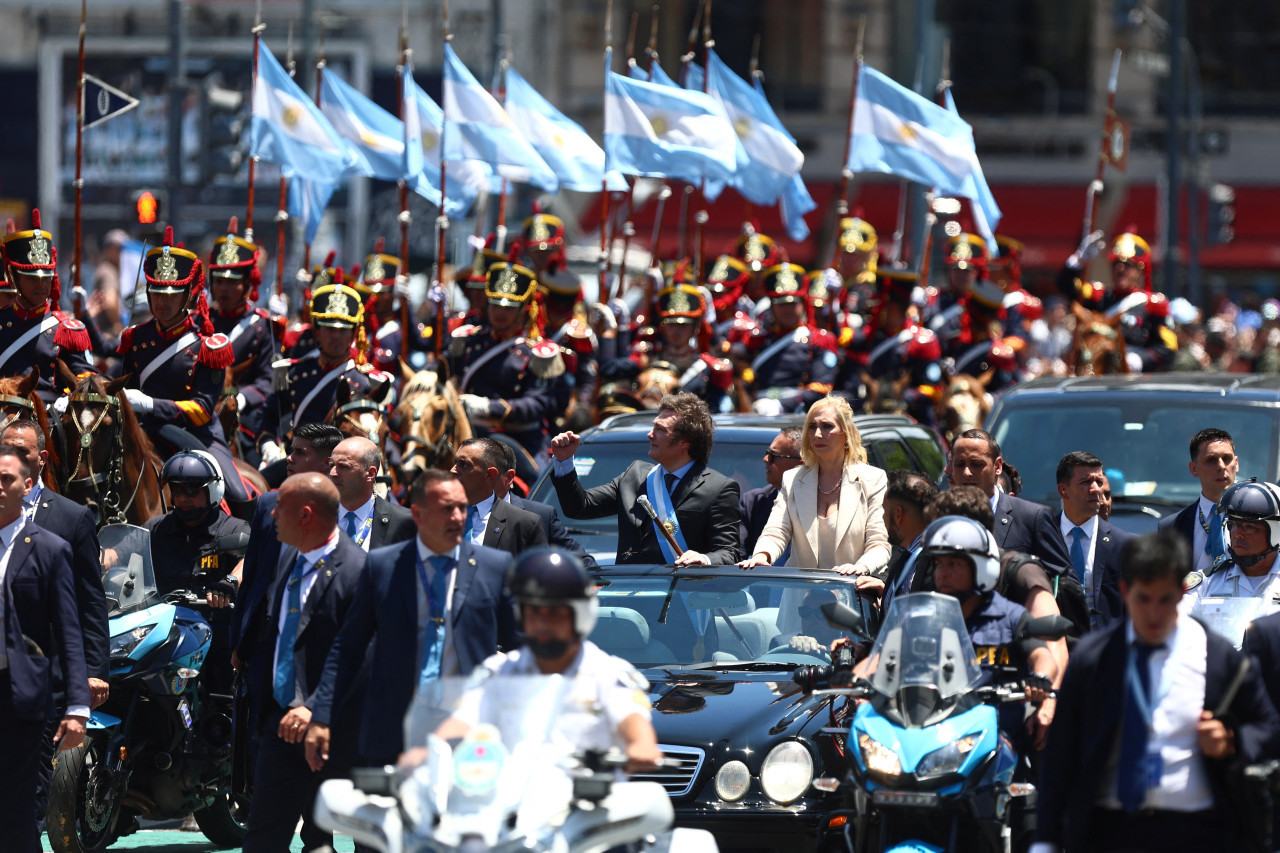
x: 719, y: 647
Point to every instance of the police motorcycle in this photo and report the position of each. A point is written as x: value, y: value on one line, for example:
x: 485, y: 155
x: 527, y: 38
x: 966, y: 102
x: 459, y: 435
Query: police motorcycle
x: 161, y: 746
x: 491, y: 765
x: 929, y: 768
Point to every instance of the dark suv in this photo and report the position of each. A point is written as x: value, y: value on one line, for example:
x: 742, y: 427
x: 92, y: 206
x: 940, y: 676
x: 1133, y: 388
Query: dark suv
x: 1141, y: 429
x: 892, y: 442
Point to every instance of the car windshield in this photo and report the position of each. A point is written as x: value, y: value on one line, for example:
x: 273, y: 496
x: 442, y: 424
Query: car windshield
x: 1142, y: 443
x: 923, y: 643
x: 709, y: 621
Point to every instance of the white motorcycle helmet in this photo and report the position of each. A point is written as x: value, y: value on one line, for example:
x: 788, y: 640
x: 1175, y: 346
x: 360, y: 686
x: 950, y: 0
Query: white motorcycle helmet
x: 1253, y: 501
x: 955, y: 534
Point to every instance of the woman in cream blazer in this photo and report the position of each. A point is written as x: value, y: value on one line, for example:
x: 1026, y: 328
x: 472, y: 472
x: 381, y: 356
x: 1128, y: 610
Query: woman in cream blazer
x: 830, y: 509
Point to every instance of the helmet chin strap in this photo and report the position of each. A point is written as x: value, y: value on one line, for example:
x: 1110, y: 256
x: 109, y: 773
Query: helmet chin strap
x: 1250, y: 562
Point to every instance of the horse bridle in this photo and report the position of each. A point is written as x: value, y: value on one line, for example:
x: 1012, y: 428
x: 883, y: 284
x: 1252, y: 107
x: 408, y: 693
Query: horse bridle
x: 103, y: 486
x: 22, y: 403
x: 431, y: 451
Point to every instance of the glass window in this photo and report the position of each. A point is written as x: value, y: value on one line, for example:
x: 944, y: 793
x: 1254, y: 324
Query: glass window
x: 930, y: 455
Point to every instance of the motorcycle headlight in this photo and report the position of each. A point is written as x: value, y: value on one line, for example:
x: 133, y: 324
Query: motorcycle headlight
x: 122, y: 645
x: 786, y: 772
x: 879, y: 758
x: 947, y: 759
x: 732, y: 781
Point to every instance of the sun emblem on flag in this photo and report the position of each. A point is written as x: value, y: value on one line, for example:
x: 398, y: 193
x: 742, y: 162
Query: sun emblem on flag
x: 907, y: 133
x: 659, y: 125
x: 429, y: 142
x: 558, y: 139
x: 742, y: 127
x: 291, y: 117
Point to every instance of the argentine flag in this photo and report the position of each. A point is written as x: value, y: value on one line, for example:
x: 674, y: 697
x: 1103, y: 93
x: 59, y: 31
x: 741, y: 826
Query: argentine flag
x: 657, y: 131
x: 479, y: 129
x: 289, y: 129
x: 795, y: 201
x: 897, y: 132
x: 464, y: 180
x: 986, y: 213
x: 307, y: 202
x: 376, y: 136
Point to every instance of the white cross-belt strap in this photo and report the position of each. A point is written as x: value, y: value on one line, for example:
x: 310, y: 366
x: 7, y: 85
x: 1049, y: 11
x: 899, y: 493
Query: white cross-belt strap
x: 485, y: 359
x: 325, y: 380
x: 243, y: 326
x: 27, y: 337
x: 166, y: 356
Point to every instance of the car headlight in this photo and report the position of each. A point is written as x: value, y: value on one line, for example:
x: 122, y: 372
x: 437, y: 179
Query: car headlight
x: 879, y: 758
x: 732, y: 781
x: 947, y: 759
x: 122, y: 645
x: 786, y: 772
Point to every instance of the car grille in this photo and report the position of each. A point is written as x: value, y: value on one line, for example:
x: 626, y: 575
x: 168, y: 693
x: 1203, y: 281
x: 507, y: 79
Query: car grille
x: 678, y: 781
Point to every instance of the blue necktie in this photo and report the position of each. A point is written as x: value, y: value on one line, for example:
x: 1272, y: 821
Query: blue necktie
x: 469, y: 527
x: 284, y: 685
x: 1214, y: 545
x: 672, y: 481
x: 351, y: 523
x: 437, y: 594
x: 1077, y: 553
x: 1131, y: 769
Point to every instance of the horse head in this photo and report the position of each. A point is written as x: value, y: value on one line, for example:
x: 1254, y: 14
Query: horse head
x: 432, y: 423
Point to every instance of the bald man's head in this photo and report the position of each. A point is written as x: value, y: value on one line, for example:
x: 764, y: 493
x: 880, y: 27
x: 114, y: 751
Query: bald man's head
x: 353, y: 465
x: 306, y: 511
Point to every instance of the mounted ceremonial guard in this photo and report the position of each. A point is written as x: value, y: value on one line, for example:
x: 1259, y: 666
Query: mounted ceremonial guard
x: 511, y: 381
x: 34, y: 332
x: 255, y: 336
x: 176, y: 363
x: 377, y: 286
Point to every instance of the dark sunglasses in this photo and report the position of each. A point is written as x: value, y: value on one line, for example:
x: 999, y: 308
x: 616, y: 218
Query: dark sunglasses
x: 186, y: 491
x: 774, y: 457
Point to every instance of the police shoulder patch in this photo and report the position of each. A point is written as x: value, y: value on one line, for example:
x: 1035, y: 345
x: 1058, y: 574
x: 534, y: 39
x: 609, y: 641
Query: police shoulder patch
x: 1192, y: 580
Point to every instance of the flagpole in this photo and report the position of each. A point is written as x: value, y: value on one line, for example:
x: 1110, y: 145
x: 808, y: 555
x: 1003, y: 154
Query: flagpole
x: 320, y: 62
x: 406, y: 56
x: 753, y: 69
x: 282, y: 212
x: 79, y: 184
x: 846, y: 174
x: 701, y: 218
x: 500, y: 230
x: 1095, y: 188
x: 665, y: 192
x: 258, y: 27
x: 442, y: 221
x: 690, y: 54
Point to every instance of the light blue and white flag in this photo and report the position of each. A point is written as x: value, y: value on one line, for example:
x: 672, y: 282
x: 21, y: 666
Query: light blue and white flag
x: 573, y: 155
x: 897, y: 132
x: 290, y: 130
x: 657, y: 131
x: 796, y: 200
x: 375, y: 135
x: 412, y: 162
x: 307, y: 202
x: 986, y: 213
x: 464, y: 180
x: 479, y: 129
x: 635, y: 72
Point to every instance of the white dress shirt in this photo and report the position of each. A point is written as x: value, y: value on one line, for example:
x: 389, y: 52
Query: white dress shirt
x: 1089, y: 542
x: 449, y: 664
x: 363, y: 514
x: 309, y: 575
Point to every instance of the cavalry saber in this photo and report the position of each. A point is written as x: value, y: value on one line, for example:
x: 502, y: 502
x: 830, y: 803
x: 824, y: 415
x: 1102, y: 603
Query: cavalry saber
x: 643, y: 500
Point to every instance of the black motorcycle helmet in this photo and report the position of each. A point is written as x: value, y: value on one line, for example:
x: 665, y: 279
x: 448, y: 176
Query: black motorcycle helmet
x: 1253, y: 501
x: 195, y: 468
x: 553, y: 577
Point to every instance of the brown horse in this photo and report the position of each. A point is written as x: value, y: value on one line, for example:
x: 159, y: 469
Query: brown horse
x: 431, y: 423
x: 18, y: 399
x: 1097, y: 344
x: 111, y: 466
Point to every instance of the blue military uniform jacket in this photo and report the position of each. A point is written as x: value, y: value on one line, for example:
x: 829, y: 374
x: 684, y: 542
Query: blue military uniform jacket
x: 58, y: 336
x: 527, y: 390
x: 183, y: 382
x: 254, y: 338
x: 803, y: 363
x: 296, y: 398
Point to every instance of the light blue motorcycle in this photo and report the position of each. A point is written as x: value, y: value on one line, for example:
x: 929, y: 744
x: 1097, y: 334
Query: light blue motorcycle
x: 161, y: 747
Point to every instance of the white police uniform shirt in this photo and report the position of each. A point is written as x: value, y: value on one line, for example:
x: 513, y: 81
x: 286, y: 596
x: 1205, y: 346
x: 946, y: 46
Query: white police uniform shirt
x: 605, y: 691
x: 1230, y: 581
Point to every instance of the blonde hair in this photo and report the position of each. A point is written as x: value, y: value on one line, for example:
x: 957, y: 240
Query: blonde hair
x: 854, y: 452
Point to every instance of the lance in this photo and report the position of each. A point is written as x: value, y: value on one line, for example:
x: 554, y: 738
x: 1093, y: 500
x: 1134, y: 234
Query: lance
x: 846, y: 174
x: 701, y: 218
x: 500, y: 86
x: 282, y: 212
x: 258, y: 27
x: 1095, y: 188
x: 602, y: 260
x: 689, y: 55
x: 405, y: 59
x: 628, y: 228
x: 442, y: 221
x: 79, y: 183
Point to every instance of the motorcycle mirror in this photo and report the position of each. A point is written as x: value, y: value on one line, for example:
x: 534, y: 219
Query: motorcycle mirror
x: 1047, y: 627
x: 844, y: 617
x: 375, y: 780
x: 234, y: 543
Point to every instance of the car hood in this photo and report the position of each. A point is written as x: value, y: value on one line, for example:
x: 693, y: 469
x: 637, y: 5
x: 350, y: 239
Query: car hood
x: 702, y: 708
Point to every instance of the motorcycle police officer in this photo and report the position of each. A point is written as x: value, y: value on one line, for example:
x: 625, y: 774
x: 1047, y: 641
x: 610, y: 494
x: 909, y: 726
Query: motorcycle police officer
x: 234, y: 278
x: 185, y: 541
x: 33, y: 330
x: 176, y: 363
x: 1250, y: 570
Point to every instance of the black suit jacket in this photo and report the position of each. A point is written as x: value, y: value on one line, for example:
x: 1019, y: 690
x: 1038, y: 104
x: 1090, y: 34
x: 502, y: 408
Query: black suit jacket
x: 74, y: 523
x: 41, y: 604
x: 1032, y: 529
x: 391, y: 524
x: 754, y: 509
x: 512, y: 529
x: 1086, y: 729
x: 1262, y: 643
x: 554, y: 528
x: 260, y: 561
x: 385, y: 614
x: 706, y: 505
x: 1107, y: 602
x: 1183, y: 523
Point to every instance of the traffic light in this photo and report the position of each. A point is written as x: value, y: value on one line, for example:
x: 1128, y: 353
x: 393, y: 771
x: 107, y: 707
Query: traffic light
x: 223, y: 119
x: 146, y: 204
x: 1222, y: 215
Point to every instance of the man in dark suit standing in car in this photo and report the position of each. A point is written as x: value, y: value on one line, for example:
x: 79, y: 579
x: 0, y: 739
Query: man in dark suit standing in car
x: 289, y: 636
x: 1094, y: 544
x: 697, y: 505
x: 491, y: 521
x: 1019, y: 525
x: 552, y: 527
x: 432, y: 607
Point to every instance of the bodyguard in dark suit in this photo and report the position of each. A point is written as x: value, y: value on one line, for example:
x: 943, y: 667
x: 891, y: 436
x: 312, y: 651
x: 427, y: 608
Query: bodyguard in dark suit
x: 491, y: 521
x: 705, y: 502
x: 1019, y: 525
x: 289, y: 638
x: 369, y: 520
x: 1215, y: 464
x: 431, y: 607
x: 37, y: 603
x: 783, y: 455
x: 1139, y: 751
x: 1093, y: 544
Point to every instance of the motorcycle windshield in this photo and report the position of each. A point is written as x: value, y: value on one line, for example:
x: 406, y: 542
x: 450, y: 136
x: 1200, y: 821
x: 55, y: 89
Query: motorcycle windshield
x: 1229, y: 617
x: 128, y: 577
x: 922, y: 657
x: 519, y: 708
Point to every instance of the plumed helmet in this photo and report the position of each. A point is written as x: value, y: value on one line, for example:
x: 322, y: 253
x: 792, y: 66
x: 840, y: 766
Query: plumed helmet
x: 553, y: 577
x: 195, y: 468
x: 1253, y: 501
x: 954, y: 534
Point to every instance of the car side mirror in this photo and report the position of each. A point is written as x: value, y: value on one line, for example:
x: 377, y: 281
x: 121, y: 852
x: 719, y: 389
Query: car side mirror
x: 844, y: 617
